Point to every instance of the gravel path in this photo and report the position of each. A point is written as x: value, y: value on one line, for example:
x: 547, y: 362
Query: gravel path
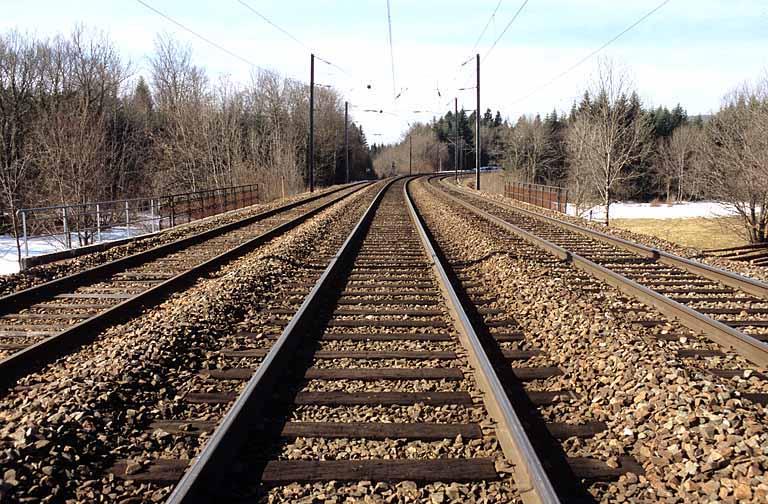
x: 695, y: 437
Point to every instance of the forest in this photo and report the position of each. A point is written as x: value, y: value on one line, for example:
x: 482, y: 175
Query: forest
x: 609, y: 146
x: 79, y: 124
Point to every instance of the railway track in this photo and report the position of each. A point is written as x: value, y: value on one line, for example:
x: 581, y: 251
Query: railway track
x: 47, y: 321
x: 384, y: 372
x: 377, y: 376
x: 729, y: 309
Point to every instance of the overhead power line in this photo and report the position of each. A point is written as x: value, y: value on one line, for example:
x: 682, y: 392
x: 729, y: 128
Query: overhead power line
x: 274, y: 25
x: 201, y: 37
x: 291, y: 36
x: 391, y: 50
x: 485, y: 28
x: 517, y: 13
x: 229, y: 52
x: 593, y: 53
x: 479, y: 38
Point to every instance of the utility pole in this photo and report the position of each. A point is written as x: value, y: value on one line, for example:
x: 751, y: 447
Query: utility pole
x: 311, y: 159
x: 410, y: 154
x: 456, y: 139
x: 477, y: 129
x: 346, y: 139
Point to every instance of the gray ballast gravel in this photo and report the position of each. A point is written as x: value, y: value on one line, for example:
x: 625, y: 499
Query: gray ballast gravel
x: 697, y: 440
x: 62, y: 429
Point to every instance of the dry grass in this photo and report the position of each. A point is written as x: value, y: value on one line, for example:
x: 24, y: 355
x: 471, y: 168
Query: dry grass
x: 700, y: 233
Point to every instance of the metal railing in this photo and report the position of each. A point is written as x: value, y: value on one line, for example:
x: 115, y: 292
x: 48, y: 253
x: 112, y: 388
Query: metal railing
x: 84, y: 224
x: 550, y: 197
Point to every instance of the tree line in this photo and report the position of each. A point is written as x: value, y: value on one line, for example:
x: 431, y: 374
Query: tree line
x: 609, y: 146
x: 77, y: 124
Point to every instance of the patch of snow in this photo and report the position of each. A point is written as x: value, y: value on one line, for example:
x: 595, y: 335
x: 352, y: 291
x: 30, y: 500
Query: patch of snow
x: 39, y: 245
x: 682, y: 210
x: 9, y: 259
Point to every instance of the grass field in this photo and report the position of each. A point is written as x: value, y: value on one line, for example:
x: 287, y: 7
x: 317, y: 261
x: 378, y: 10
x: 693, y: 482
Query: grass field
x: 700, y: 233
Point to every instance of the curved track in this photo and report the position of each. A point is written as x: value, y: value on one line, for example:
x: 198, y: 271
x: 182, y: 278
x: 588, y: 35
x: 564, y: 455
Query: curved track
x: 44, y: 322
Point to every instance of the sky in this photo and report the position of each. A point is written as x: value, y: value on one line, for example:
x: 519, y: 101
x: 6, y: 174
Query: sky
x: 690, y: 52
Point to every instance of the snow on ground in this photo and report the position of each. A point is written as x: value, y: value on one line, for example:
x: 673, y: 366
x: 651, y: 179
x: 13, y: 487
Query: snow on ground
x: 9, y: 262
x: 9, y: 259
x: 682, y: 210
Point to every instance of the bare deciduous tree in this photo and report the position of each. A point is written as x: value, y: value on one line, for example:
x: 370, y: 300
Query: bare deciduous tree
x: 678, y: 160
x: 610, y: 136
x: 180, y: 92
x: 737, y: 157
x: 19, y: 74
x: 529, y: 149
x: 71, y: 137
x: 421, y: 140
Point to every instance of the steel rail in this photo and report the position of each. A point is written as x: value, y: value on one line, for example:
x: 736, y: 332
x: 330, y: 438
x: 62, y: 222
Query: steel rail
x: 199, y: 483
x: 532, y: 481
x: 748, y: 285
x: 749, y: 347
x: 21, y: 299
x: 45, y: 351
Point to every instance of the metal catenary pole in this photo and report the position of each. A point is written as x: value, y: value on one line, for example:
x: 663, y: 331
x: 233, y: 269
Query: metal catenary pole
x: 477, y: 128
x: 312, y: 124
x: 346, y: 140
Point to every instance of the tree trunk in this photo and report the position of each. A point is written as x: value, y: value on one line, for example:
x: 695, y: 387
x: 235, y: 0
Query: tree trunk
x: 607, y: 204
x: 754, y: 231
x: 762, y: 226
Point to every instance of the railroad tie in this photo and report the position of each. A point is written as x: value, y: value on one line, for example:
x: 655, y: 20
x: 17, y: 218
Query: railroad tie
x: 421, y: 471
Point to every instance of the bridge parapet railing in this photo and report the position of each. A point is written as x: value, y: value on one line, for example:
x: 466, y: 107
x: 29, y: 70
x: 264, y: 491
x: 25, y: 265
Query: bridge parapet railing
x: 78, y: 225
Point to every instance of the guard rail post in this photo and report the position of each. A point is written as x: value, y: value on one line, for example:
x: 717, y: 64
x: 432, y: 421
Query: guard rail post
x: 127, y: 219
x: 98, y: 222
x: 24, y: 229
x: 67, y: 237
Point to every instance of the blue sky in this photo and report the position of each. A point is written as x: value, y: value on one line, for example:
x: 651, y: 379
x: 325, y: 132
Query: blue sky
x: 690, y: 51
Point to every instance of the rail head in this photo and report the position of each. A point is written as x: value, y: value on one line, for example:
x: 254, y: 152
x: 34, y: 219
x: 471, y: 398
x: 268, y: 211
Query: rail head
x: 536, y: 487
x: 30, y: 295
x: 32, y: 357
x: 199, y: 481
